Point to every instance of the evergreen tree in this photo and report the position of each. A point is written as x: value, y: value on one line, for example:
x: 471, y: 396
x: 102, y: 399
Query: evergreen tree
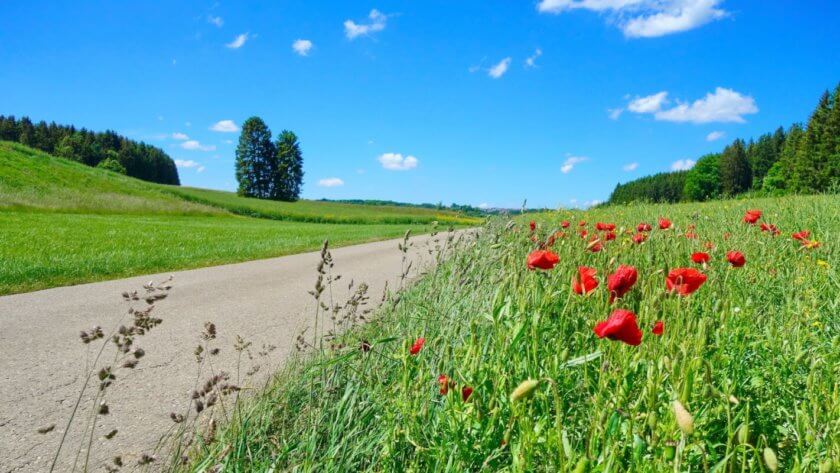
x: 833, y: 141
x: 811, y: 171
x: 735, y: 172
x: 289, y: 175
x: 762, y: 155
x: 256, y: 163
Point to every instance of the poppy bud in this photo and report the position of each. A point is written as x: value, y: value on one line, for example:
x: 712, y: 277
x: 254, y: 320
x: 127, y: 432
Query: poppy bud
x: 684, y: 420
x: 770, y: 459
x: 524, y: 390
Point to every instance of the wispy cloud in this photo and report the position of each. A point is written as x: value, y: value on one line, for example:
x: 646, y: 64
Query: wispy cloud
x: 645, y: 18
x: 683, y: 164
x: 179, y: 136
x: 225, y: 126
x: 396, y: 162
x: 531, y: 61
x: 615, y: 113
x: 571, y: 162
x: 721, y: 106
x: 302, y: 46
x: 238, y: 42
x: 650, y: 104
x: 499, y: 69
x: 377, y: 23
x: 630, y: 167
x: 330, y: 182
x: 215, y: 20
x: 189, y: 164
x: 715, y: 135
x: 194, y: 145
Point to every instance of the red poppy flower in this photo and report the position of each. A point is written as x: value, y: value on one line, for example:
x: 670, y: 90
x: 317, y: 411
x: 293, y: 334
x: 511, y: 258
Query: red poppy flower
x: 684, y: 281
x: 658, y: 328
x: 582, y: 223
x: 752, y: 216
x: 443, y: 381
x: 665, y: 224
x: 639, y: 238
x: 466, y: 392
x: 417, y: 346
x: 622, y: 326
x: 602, y: 227
x: 621, y: 281
x: 691, y: 235
x: 609, y: 236
x: 801, y: 236
x: 586, y: 281
x: 595, y: 246
x: 700, y: 257
x: 769, y: 227
x: 533, y: 225
x: 736, y: 258
x: 583, y: 233
x: 542, y: 259
x: 564, y: 224
x: 643, y: 227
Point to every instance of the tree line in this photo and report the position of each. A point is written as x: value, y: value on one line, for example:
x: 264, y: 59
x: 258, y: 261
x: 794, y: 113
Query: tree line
x: 107, y: 149
x: 802, y: 159
x: 268, y: 169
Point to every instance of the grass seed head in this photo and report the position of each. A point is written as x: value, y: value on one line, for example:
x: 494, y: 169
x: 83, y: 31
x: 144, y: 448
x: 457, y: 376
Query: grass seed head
x: 684, y: 419
x: 524, y: 390
x: 770, y: 459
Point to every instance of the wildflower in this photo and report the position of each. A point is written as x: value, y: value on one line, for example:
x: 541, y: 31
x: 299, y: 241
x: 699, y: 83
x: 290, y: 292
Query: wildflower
x: 533, y: 225
x: 691, y: 235
x: 684, y: 419
x: 621, y: 325
x: 769, y: 227
x: 639, y: 238
x: 417, y: 346
x: 684, y: 281
x: 658, y: 328
x: 643, y: 227
x: 466, y: 392
x: 524, y: 390
x: 823, y: 263
x: 752, y: 216
x: 621, y: 281
x: 609, y: 236
x: 586, y: 281
x: 801, y: 236
x: 665, y: 224
x: 709, y: 245
x: 595, y: 246
x: 443, y: 381
x: 582, y: 223
x: 736, y: 258
x: 810, y: 244
x: 601, y: 227
x: 700, y: 257
x: 564, y: 224
x: 542, y: 259
x: 583, y: 233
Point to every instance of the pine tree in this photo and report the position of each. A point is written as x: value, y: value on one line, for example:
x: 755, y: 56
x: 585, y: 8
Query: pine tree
x: 289, y: 175
x: 735, y: 172
x: 833, y: 141
x: 811, y: 167
x: 255, y: 160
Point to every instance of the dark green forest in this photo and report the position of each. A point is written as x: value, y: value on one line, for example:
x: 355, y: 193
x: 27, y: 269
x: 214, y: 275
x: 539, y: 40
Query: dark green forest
x: 803, y: 159
x: 107, y: 150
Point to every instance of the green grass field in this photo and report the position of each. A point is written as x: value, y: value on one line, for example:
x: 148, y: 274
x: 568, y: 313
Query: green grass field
x: 65, y: 223
x: 752, y: 358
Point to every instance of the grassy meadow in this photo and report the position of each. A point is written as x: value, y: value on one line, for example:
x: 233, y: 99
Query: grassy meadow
x: 742, y: 377
x: 65, y: 223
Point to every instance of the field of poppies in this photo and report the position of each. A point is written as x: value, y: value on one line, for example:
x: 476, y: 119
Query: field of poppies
x: 692, y: 337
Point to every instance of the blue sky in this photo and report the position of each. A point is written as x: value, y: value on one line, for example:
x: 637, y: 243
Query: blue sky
x: 477, y: 102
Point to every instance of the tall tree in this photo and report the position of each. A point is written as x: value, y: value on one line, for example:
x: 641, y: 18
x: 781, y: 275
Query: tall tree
x: 811, y: 168
x: 735, y: 172
x: 289, y: 175
x: 703, y: 180
x: 780, y: 175
x: 256, y: 160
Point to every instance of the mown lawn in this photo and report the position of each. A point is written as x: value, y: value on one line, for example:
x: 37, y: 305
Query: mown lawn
x: 41, y: 250
x: 744, y: 376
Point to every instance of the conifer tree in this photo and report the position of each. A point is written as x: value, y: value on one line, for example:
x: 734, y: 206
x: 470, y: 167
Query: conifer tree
x: 289, y: 175
x: 735, y: 172
x: 256, y: 164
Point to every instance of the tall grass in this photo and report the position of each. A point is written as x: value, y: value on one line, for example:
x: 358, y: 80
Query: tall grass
x: 745, y: 376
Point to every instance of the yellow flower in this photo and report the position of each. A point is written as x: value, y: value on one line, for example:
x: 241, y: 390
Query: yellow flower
x: 822, y: 263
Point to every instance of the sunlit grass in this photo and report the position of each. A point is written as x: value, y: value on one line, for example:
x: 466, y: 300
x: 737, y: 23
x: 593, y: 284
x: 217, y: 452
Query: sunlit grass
x: 752, y: 357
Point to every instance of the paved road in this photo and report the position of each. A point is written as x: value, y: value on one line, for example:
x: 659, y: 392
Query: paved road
x: 42, y: 360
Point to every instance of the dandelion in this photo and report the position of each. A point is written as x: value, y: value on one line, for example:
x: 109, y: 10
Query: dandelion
x: 621, y: 326
x: 524, y: 390
x: 542, y: 259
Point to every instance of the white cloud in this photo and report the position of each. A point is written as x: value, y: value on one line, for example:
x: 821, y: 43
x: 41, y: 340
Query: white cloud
x: 630, y: 167
x: 499, y: 69
x: 682, y: 164
x: 645, y: 18
x: 614, y: 113
x: 238, y: 42
x: 531, y: 61
x: 331, y: 182
x: 225, y: 126
x: 302, y: 46
x: 715, y: 135
x: 179, y: 136
x: 194, y: 145
x: 377, y: 23
x: 188, y: 163
x: 570, y: 163
x: 200, y: 169
x: 723, y: 106
x: 650, y: 104
x: 228, y: 142
x: 215, y: 20
x: 483, y: 206
x: 396, y: 162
